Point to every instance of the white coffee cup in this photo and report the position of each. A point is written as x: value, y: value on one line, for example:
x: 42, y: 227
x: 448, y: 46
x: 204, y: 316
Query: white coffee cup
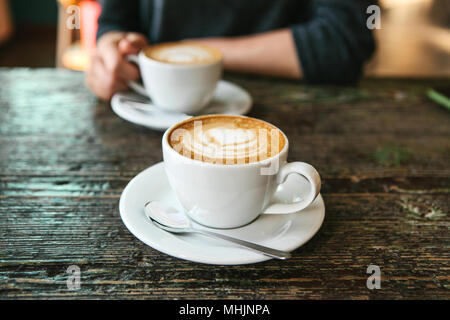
x: 176, y: 87
x: 229, y: 196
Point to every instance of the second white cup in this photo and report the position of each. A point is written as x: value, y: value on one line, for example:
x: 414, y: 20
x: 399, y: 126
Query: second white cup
x: 177, y: 87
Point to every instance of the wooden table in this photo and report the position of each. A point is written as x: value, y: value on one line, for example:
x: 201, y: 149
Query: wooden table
x: 382, y: 148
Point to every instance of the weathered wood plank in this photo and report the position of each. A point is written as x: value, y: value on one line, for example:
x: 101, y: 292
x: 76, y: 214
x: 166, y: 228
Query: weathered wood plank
x: 382, y: 148
x: 76, y: 185
x: 48, y: 235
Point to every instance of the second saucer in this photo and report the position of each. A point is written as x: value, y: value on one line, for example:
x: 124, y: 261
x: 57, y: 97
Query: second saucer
x: 228, y: 98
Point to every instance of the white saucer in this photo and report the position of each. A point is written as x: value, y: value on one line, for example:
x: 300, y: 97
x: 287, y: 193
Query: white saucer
x: 228, y: 99
x: 283, y: 232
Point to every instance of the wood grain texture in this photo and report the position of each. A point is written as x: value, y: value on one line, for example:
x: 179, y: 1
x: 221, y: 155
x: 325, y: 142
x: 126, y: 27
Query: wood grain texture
x: 382, y: 148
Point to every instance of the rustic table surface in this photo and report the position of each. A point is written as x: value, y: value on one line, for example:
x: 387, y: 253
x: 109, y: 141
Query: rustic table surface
x: 382, y: 148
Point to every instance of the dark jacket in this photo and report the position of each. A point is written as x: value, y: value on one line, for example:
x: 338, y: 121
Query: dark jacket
x: 331, y: 36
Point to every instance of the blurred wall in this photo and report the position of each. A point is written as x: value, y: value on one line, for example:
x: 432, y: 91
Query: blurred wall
x: 41, y: 12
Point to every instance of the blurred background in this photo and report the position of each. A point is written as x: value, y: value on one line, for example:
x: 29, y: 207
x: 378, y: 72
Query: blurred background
x: 414, y: 39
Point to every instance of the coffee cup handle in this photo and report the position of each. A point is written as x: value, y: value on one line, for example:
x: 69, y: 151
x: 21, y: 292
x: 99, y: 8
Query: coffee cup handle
x: 137, y: 87
x: 305, y: 170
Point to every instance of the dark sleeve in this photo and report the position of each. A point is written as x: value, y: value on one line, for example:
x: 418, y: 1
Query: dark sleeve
x: 118, y: 15
x: 334, y: 44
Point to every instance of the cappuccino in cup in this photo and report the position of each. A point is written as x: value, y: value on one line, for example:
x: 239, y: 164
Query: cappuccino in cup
x: 183, y: 53
x: 224, y: 139
x: 225, y: 169
x: 179, y: 76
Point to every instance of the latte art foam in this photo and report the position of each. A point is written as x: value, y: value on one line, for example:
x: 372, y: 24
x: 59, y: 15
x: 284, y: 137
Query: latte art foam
x: 182, y: 53
x: 226, y: 139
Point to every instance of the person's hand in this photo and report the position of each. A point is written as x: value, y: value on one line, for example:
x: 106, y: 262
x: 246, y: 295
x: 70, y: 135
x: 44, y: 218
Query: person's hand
x: 109, y: 71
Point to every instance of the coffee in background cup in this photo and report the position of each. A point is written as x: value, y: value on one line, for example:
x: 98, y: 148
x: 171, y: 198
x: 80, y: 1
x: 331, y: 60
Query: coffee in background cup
x: 183, y: 53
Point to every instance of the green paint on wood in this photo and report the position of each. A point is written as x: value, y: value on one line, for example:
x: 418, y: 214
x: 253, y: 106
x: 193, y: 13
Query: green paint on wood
x: 392, y: 156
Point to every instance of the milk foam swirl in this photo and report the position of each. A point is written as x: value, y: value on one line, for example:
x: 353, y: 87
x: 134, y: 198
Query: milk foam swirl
x: 227, y: 140
x: 182, y: 53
